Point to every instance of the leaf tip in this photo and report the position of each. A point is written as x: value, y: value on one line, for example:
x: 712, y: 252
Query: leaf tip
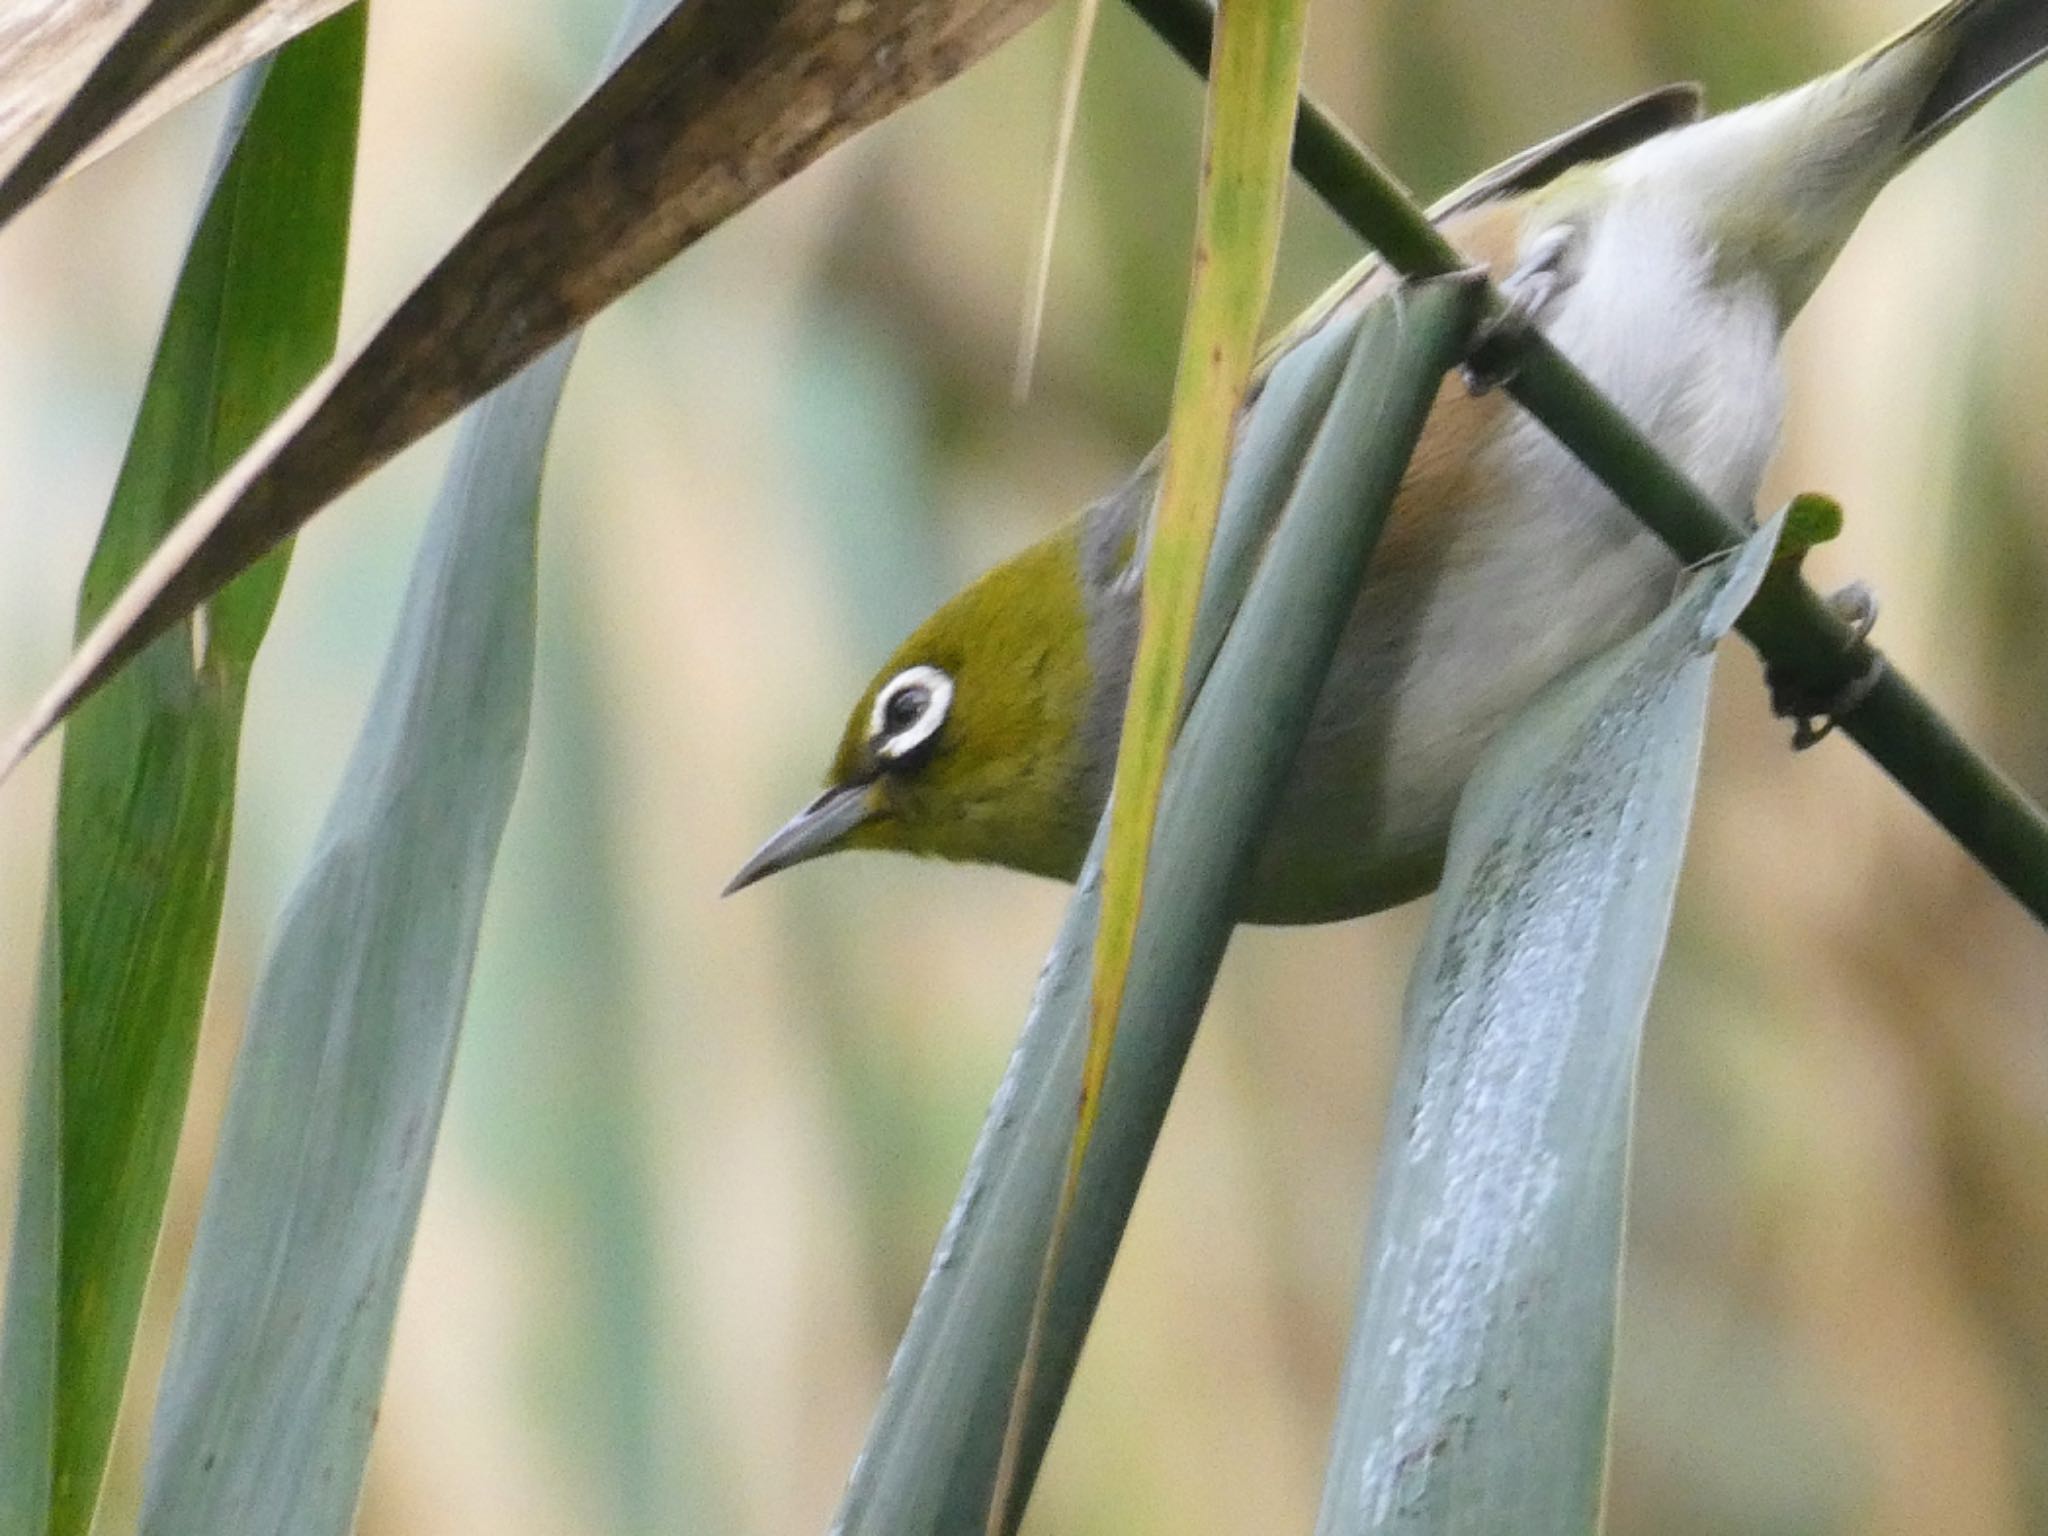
x: 16, y: 748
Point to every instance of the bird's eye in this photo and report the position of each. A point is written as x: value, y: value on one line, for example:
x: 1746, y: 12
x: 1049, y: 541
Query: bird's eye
x: 903, y: 709
x: 909, y: 711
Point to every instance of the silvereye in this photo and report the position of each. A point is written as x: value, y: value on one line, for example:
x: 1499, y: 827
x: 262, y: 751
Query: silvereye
x: 1668, y: 271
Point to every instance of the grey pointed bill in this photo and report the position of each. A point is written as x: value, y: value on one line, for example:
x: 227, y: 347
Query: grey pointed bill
x: 815, y: 829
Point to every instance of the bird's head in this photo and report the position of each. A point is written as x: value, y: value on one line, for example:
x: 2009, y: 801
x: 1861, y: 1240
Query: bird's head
x: 972, y: 741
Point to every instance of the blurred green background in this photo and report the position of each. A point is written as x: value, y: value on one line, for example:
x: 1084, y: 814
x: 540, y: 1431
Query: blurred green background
x: 698, y: 1151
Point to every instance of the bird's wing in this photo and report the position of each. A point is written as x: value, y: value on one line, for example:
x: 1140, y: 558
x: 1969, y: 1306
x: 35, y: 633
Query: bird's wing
x: 1617, y: 129
x: 1112, y: 549
x: 1995, y: 40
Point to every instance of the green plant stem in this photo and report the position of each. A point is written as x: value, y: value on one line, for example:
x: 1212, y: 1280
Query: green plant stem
x: 1790, y: 625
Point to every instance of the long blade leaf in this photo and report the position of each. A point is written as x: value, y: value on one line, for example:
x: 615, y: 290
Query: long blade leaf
x: 145, y: 798
x: 1349, y: 402
x: 1248, y: 132
x: 1255, y: 78
x: 719, y: 102
x: 928, y: 1464
x: 1475, y: 1397
x: 275, y: 1439
x: 283, y: 1333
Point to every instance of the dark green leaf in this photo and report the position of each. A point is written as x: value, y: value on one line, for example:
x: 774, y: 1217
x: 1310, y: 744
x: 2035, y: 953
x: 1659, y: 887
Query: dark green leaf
x: 146, y: 792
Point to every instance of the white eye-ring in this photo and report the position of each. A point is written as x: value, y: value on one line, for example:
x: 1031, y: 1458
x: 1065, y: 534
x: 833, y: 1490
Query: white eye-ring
x: 909, y: 710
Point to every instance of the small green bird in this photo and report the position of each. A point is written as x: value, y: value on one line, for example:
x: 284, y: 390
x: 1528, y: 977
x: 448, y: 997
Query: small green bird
x: 1665, y: 256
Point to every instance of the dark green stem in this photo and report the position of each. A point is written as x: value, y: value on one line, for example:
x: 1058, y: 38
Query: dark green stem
x: 1788, y: 623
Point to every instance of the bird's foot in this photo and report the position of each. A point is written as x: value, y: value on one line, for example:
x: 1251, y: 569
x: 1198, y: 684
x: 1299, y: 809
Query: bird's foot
x: 1815, y: 711
x: 1493, y: 360
x: 1528, y: 291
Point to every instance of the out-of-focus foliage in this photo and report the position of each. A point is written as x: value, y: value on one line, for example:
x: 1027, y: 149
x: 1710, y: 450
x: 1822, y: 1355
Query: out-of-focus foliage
x: 777, y: 456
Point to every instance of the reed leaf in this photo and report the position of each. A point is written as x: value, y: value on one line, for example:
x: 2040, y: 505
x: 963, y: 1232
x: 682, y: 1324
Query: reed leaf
x: 1475, y: 1397
x: 283, y: 1332
x: 1249, y: 129
x: 1247, y: 132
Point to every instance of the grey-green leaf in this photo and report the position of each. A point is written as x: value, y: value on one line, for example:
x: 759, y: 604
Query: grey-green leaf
x: 146, y: 790
x: 929, y: 1464
x: 1475, y: 1397
x: 283, y: 1333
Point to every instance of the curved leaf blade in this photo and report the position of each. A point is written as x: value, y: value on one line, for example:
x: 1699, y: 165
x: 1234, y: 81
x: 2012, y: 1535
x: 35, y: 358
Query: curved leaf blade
x: 1475, y: 1395
x: 928, y: 1462
x: 720, y: 101
x: 145, y: 797
x: 35, y: 1280
x: 283, y: 1332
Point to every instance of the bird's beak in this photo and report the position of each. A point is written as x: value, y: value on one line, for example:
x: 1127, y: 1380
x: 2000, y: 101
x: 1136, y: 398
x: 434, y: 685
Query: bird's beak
x: 817, y: 828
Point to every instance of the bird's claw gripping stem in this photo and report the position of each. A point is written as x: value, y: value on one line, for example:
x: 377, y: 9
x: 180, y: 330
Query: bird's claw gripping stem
x: 1527, y: 291
x: 1492, y: 361
x: 1815, y: 711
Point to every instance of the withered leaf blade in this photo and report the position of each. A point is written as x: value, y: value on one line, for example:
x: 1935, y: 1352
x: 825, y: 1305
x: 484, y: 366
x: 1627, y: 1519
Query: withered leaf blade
x: 76, y: 69
x: 721, y: 101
